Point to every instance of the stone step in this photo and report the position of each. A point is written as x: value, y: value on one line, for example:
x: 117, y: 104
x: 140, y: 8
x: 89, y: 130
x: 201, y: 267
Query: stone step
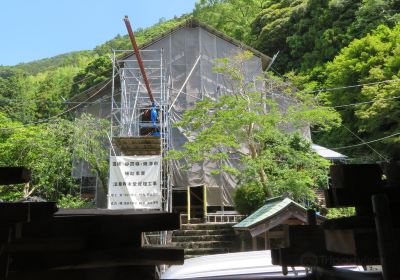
x: 208, y: 226
x: 203, y: 238
x: 202, y: 232
x: 153, y: 239
x: 203, y: 244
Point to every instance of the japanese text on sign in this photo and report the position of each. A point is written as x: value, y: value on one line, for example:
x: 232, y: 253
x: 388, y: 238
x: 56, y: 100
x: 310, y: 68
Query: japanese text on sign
x: 134, y: 182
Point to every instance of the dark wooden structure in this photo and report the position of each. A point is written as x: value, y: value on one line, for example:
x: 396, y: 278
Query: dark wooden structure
x: 39, y: 241
x: 370, y: 237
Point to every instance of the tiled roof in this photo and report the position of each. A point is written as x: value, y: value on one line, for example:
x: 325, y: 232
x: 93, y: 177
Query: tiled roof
x: 272, y: 207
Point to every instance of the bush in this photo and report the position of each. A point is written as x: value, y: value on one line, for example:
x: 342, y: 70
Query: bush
x: 248, y: 198
x: 340, y: 212
x: 69, y: 201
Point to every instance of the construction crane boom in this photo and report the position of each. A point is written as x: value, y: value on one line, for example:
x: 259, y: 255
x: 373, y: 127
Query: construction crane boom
x: 139, y: 58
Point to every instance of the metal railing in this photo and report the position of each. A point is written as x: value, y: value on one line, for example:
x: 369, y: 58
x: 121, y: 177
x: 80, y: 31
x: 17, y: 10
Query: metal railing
x: 224, y: 217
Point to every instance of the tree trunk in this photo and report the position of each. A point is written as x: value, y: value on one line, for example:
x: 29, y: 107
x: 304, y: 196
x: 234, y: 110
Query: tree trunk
x: 254, y: 155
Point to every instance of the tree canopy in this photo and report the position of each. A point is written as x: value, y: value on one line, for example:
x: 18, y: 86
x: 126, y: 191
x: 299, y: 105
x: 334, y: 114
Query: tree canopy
x: 250, y: 125
x: 371, y: 61
x: 48, y: 150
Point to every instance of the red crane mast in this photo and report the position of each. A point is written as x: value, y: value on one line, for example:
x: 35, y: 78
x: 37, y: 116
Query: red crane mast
x: 139, y: 58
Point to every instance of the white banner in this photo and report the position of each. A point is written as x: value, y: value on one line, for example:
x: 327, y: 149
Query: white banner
x: 134, y: 182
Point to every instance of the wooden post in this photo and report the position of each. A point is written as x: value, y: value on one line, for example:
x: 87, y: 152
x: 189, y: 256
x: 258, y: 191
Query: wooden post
x: 188, y: 204
x: 254, y: 243
x: 311, y: 217
x: 387, y: 240
x: 205, y: 202
x: 266, y: 241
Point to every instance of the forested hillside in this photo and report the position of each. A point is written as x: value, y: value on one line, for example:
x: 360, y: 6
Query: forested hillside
x: 329, y: 44
x: 346, y: 53
x: 36, y: 128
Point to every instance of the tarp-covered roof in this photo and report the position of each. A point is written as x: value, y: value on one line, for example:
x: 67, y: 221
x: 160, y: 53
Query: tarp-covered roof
x: 191, y: 22
x: 327, y: 153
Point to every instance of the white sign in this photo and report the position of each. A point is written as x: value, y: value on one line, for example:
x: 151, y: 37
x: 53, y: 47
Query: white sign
x: 134, y: 182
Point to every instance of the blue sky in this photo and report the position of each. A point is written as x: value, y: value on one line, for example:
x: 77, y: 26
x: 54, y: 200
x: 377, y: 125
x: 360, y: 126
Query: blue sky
x: 35, y: 29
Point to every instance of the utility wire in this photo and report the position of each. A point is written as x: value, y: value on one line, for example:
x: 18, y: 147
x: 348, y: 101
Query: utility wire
x: 352, y: 86
x: 60, y: 114
x: 368, y: 142
x: 84, y: 79
x: 320, y: 90
x: 363, y: 142
x: 10, y: 100
x: 56, y: 102
x: 47, y: 102
x: 365, y: 102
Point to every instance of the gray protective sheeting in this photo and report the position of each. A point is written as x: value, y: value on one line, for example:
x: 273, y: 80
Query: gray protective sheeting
x: 181, y: 49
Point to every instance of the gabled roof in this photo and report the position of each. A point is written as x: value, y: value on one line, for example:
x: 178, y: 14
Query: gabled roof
x: 191, y: 22
x: 327, y: 153
x: 272, y: 209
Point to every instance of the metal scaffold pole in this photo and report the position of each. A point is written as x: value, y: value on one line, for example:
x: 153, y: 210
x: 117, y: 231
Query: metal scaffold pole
x: 140, y: 124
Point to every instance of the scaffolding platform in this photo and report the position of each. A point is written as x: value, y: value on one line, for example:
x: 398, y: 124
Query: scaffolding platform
x: 138, y: 146
x: 135, y: 131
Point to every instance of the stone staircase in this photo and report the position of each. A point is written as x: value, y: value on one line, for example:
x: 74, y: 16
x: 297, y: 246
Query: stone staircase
x: 205, y: 239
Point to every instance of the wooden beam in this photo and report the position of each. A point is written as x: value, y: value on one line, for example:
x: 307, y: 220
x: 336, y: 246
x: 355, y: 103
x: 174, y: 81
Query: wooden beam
x: 254, y: 243
x: 205, y: 202
x: 357, y: 177
x: 27, y: 245
x: 388, y: 243
x: 84, y: 259
x: 14, y: 175
x: 188, y: 204
x: 133, y: 272
x: 311, y: 217
x: 12, y: 213
x: 336, y: 198
x: 106, y: 223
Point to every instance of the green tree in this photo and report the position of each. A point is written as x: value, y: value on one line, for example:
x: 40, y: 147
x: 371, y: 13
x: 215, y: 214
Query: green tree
x: 371, y: 59
x: 233, y: 17
x: 91, y: 145
x: 308, y: 33
x: 275, y: 160
x: 45, y: 150
x: 97, y: 71
x: 373, y: 13
x: 51, y: 89
x: 16, y: 90
x: 72, y: 59
x: 48, y: 150
x: 70, y: 201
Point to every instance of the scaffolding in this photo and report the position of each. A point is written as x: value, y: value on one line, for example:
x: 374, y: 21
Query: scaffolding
x: 136, y: 121
x: 183, y: 61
